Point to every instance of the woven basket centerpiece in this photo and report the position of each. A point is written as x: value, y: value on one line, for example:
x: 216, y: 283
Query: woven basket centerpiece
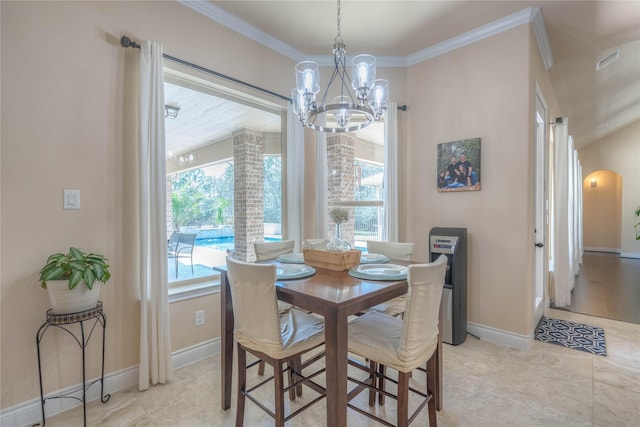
x: 337, y: 261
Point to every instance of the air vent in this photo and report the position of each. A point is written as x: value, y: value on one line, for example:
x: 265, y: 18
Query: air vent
x: 608, y: 60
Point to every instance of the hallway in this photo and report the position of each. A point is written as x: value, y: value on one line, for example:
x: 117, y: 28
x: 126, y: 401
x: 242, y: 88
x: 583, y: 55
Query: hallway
x: 608, y: 286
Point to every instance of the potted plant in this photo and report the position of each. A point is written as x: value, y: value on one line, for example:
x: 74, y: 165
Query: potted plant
x: 73, y: 280
x: 339, y: 216
x: 636, y: 226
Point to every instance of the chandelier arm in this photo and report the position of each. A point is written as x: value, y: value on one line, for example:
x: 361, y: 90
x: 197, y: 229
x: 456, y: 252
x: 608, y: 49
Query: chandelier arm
x: 345, y: 82
x: 326, y: 92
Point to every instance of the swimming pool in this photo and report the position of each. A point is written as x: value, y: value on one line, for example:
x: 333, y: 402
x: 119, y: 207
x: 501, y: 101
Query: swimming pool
x: 224, y: 243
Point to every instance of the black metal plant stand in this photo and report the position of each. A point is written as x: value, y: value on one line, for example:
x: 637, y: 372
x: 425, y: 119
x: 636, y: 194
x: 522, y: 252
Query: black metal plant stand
x: 94, y: 316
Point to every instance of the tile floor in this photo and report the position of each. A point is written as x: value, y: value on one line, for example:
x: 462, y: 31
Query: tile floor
x: 484, y: 385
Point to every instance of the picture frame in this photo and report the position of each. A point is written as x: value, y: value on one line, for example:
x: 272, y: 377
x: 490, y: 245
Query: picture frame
x: 458, y: 166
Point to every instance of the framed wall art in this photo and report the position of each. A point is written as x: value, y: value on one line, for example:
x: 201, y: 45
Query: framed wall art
x: 459, y: 165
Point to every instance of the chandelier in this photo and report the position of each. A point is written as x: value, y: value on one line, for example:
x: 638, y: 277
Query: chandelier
x: 346, y: 112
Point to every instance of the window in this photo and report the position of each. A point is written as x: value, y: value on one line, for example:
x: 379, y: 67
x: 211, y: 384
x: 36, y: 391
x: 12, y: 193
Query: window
x: 200, y: 173
x: 355, y: 181
x: 368, y: 215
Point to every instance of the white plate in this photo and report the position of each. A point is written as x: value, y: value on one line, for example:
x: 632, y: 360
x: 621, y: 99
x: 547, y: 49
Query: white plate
x: 291, y: 258
x: 294, y: 271
x: 379, y: 271
x: 369, y: 258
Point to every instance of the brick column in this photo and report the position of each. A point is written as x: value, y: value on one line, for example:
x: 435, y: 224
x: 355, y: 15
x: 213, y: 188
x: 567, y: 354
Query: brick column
x: 248, y: 205
x: 340, y: 157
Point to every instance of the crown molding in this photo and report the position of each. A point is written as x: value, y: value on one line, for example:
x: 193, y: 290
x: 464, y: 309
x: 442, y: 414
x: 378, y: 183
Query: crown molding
x: 540, y: 32
x: 531, y: 15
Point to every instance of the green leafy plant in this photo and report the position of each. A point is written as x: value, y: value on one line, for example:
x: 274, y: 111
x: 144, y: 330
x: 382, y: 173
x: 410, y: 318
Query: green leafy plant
x: 636, y: 227
x: 75, y: 266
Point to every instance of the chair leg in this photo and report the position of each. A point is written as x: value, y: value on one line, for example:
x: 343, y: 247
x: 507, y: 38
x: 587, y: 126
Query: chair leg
x: 176, y: 267
x: 242, y: 385
x: 292, y: 368
x: 431, y: 386
x: 372, y: 375
x: 279, y: 394
x: 299, y: 370
x: 261, y: 368
x: 383, y: 371
x: 192, y: 262
x: 403, y: 399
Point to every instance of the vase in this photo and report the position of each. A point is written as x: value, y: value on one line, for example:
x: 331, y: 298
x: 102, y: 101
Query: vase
x: 64, y: 300
x: 337, y: 244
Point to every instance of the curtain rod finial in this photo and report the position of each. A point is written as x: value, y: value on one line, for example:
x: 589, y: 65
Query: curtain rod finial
x: 127, y: 42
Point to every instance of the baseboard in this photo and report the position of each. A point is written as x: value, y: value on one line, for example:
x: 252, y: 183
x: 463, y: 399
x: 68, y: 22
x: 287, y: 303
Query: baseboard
x: 195, y: 353
x: 630, y: 255
x: 614, y: 251
x: 498, y: 336
x: 30, y: 413
x: 599, y: 249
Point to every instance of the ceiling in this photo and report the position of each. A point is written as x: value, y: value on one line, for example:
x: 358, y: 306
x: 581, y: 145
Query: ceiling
x: 580, y: 33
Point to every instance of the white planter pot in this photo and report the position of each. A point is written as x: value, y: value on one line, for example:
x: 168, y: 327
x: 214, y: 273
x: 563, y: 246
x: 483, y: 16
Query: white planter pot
x: 64, y: 300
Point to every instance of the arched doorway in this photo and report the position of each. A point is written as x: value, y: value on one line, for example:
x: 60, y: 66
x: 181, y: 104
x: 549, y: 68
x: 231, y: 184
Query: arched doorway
x: 602, y: 211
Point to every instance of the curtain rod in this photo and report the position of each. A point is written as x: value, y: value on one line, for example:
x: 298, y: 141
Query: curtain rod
x: 127, y: 42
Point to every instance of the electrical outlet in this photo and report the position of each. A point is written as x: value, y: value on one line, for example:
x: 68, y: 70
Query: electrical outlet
x: 199, y: 317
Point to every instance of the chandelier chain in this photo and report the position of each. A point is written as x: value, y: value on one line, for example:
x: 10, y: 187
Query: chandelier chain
x: 338, y: 18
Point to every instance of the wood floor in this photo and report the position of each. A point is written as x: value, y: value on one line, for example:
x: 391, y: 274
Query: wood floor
x: 608, y: 286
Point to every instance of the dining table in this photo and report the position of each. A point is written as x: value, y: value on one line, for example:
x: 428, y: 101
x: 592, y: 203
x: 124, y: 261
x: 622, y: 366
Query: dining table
x: 335, y: 295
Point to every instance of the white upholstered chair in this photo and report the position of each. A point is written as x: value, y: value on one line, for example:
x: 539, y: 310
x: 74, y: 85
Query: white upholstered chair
x: 273, y: 338
x: 315, y: 244
x: 404, y: 344
x: 393, y: 250
x: 271, y: 250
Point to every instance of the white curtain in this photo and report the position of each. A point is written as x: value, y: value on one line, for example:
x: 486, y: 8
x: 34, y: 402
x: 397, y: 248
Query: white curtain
x: 567, y: 215
x: 577, y: 211
x: 295, y: 178
x: 390, y: 179
x: 562, y: 271
x: 322, y: 177
x: 580, y: 244
x: 155, y: 342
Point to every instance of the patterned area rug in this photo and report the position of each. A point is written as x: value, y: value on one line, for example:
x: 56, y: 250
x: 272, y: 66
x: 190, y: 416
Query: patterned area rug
x: 572, y: 335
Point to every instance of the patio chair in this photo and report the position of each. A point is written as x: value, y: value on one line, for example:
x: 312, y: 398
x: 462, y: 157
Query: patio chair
x: 181, y: 246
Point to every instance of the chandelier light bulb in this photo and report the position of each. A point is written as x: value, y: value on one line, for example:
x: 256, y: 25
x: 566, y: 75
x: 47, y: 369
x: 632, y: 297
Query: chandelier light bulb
x: 343, y: 114
x: 363, y: 74
x: 297, y: 100
x: 379, y: 97
x: 308, y: 78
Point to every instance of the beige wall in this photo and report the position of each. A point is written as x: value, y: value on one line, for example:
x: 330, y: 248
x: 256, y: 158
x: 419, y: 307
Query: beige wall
x: 481, y: 90
x: 602, y: 211
x: 619, y: 152
x: 69, y: 98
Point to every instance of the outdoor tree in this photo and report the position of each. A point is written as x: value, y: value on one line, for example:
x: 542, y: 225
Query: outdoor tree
x: 273, y: 189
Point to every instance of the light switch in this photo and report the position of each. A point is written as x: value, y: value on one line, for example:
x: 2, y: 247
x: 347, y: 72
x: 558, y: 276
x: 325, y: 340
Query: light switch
x: 72, y: 199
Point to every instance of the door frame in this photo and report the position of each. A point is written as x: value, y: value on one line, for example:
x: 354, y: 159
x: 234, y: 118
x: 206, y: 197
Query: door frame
x: 541, y: 205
